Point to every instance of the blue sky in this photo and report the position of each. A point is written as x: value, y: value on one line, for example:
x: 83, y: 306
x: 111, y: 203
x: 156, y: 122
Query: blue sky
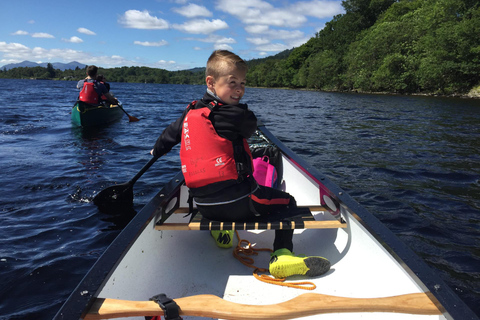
x: 167, y: 34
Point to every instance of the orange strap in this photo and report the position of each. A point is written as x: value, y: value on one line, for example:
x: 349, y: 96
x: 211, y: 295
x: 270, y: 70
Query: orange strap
x: 242, y: 253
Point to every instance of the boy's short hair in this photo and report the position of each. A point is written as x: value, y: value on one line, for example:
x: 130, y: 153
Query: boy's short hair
x: 92, y: 71
x: 221, y: 60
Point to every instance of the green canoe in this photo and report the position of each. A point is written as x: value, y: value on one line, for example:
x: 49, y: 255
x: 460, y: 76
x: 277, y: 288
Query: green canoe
x: 86, y: 115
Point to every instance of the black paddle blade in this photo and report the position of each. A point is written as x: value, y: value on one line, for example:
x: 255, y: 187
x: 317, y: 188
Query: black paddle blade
x: 115, y: 196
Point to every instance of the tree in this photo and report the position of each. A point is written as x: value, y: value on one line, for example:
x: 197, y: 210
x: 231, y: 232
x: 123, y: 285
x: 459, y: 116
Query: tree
x: 50, y: 71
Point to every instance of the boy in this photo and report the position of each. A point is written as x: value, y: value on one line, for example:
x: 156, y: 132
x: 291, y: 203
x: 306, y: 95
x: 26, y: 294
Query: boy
x: 217, y: 164
x: 92, y: 91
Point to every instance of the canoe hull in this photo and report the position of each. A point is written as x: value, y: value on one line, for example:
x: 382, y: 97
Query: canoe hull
x: 368, y: 261
x: 88, y: 116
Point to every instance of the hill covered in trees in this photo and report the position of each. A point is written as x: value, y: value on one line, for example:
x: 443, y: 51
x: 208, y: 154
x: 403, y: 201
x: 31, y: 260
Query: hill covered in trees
x: 123, y: 74
x: 402, y: 46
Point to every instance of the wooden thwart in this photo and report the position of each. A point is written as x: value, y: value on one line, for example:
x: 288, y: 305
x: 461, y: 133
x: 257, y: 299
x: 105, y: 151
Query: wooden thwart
x: 307, y: 304
x: 304, y: 221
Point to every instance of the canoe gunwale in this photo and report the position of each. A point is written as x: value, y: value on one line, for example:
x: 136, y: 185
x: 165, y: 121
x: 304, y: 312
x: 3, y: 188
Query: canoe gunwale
x: 83, y: 297
x: 449, y: 303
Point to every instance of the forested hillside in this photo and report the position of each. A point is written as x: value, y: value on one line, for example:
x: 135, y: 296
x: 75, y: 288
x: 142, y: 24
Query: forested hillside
x: 405, y: 46
x: 402, y: 46
x: 123, y: 74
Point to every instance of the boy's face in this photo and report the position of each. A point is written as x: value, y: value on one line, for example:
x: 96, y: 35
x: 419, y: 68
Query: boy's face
x: 229, y: 87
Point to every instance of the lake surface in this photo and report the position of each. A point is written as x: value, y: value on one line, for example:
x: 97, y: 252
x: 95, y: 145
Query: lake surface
x: 414, y: 162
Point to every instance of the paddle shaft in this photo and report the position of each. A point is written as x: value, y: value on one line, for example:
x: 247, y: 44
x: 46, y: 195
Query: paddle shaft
x: 143, y: 170
x: 120, y: 193
x: 304, y: 305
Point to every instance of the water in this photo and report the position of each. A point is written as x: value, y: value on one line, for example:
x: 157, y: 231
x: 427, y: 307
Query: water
x: 414, y: 162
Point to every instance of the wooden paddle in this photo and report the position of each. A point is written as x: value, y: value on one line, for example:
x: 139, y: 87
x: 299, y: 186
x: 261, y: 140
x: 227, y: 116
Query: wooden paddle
x: 304, y: 305
x: 120, y: 194
x: 130, y: 118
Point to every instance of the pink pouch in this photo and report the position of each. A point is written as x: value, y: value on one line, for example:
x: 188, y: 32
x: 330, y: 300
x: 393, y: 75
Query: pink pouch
x: 264, y: 172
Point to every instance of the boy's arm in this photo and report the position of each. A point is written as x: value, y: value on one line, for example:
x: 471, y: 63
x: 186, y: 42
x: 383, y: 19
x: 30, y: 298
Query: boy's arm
x: 111, y: 98
x: 169, y: 138
x: 234, y: 121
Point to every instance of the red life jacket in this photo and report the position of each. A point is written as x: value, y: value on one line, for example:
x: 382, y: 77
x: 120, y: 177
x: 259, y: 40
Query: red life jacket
x: 206, y: 157
x: 88, y: 93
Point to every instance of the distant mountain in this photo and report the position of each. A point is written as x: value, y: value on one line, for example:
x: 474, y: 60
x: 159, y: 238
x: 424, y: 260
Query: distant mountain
x: 56, y: 65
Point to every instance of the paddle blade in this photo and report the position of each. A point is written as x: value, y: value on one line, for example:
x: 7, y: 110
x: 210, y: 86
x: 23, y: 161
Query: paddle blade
x: 115, y: 196
x: 132, y: 118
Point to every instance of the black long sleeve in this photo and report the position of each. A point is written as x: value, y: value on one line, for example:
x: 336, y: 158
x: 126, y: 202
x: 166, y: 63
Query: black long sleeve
x: 170, y: 137
x: 234, y: 121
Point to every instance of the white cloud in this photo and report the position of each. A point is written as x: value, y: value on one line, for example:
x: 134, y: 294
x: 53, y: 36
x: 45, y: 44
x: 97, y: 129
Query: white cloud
x: 165, y: 62
x: 31, y: 21
x: 151, y: 44
x: 11, y: 50
x: 213, y: 38
x: 20, y: 33
x: 258, y: 41
x: 201, y: 26
x: 222, y: 46
x: 42, y: 35
x: 168, y: 65
x: 260, y: 12
x: 275, y: 33
x: 86, y: 31
x: 264, y: 37
x: 193, y: 10
x: 273, y: 47
x: 219, y: 42
x: 16, y: 52
x: 142, y: 20
x: 256, y: 28
x: 73, y: 40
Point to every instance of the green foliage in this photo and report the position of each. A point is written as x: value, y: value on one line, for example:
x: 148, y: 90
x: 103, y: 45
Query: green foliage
x: 50, y: 71
x: 403, y: 46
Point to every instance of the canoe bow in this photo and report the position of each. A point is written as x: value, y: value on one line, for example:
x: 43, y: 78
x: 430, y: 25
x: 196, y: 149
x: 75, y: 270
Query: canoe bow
x: 304, y: 305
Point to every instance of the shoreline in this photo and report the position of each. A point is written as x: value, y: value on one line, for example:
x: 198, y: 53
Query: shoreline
x: 474, y: 93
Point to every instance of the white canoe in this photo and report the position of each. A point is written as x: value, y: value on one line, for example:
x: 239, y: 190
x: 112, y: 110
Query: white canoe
x: 373, y: 274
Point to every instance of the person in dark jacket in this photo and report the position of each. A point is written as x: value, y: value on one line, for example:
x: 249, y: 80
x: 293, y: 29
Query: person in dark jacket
x: 217, y: 164
x: 92, y: 91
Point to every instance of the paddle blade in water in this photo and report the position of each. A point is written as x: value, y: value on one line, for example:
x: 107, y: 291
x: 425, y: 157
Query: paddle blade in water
x: 119, y: 195
x: 133, y: 119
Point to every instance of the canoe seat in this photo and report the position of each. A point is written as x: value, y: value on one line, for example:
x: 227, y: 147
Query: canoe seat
x: 304, y: 220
